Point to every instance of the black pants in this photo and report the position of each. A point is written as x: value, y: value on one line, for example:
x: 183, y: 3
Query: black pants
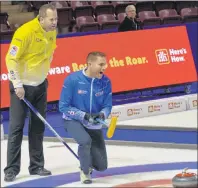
x: 91, y: 146
x: 37, y: 95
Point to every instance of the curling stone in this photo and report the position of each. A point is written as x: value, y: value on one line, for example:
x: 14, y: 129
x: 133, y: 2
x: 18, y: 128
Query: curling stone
x: 185, y: 179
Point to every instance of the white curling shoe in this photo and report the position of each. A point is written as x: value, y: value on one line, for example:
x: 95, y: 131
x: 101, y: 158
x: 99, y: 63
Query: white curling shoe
x: 85, y: 178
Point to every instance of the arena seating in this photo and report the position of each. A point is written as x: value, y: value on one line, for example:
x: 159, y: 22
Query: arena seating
x: 81, y: 16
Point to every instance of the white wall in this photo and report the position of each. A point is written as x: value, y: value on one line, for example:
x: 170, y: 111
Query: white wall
x: 185, y: 119
x: 174, y: 111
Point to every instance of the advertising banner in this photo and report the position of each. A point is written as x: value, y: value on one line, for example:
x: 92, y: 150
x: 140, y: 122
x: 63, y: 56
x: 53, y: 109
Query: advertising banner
x: 136, y: 60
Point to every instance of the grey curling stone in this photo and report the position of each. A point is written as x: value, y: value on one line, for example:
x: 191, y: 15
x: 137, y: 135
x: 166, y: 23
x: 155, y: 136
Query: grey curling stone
x: 185, y: 179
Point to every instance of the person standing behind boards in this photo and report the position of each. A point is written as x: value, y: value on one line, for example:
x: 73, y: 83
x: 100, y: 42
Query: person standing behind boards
x: 130, y: 22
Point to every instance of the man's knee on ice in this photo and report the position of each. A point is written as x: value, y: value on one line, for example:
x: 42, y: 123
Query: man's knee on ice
x: 102, y: 167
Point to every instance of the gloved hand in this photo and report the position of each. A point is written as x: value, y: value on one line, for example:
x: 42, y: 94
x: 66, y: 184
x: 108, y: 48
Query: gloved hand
x: 92, y: 118
x: 100, y: 116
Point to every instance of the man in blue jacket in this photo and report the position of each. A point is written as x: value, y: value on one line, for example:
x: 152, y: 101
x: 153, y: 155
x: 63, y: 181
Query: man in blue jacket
x: 86, y: 96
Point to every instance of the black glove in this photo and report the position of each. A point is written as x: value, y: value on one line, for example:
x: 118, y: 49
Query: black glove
x: 92, y: 118
x: 101, y: 116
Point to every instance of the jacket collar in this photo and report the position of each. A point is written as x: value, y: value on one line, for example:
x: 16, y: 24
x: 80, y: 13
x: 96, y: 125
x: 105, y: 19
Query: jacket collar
x: 87, y: 77
x: 38, y: 26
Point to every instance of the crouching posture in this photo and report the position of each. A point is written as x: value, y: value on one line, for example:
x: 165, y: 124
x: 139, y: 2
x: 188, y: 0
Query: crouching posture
x: 86, y: 96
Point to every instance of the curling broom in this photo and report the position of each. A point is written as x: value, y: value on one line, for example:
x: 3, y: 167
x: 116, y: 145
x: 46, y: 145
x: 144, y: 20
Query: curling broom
x: 111, y: 127
x: 110, y: 131
x: 48, y: 125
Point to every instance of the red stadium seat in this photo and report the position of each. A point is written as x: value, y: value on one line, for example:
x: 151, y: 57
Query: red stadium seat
x: 189, y: 14
x: 169, y: 16
x: 121, y: 5
x: 86, y: 23
x: 81, y: 8
x: 107, y: 21
x: 121, y: 17
x: 102, y: 7
x: 162, y: 5
x: 149, y: 18
x: 144, y: 6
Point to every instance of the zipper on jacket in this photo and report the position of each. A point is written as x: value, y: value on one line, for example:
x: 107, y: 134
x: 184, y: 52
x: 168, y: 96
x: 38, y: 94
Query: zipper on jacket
x: 46, y: 41
x: 91, y: 95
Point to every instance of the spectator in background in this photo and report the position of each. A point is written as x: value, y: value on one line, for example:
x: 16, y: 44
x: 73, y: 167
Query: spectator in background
x: 130, y: 22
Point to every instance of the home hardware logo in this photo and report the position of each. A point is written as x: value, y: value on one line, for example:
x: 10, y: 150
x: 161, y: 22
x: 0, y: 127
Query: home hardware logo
x: 173, y: 105
x: 162, y: 56
x: 133, y: 111
x: 154, y: 108
x: 194, y: 102
x: 167, y: 56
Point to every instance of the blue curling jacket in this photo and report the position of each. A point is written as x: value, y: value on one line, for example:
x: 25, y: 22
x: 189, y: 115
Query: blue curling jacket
x: 81, y: 94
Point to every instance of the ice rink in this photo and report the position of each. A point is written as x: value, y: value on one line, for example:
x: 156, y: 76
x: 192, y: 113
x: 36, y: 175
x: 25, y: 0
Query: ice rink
x: 129, y: 166
x: 126, y: 165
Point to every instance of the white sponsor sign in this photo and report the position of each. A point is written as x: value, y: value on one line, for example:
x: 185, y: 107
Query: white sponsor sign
x: 149, y: 108
x: 118, y: 111
x: 192, y: 102
x: 176, y: 105
x: 135, y: 111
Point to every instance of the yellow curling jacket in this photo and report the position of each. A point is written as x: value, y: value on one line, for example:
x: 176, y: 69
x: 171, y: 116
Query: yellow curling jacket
x: 30, y: 54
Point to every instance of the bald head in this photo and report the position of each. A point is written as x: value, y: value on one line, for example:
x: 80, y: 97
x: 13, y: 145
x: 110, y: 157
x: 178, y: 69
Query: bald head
x: 48, y: 17
x: 44, y: 9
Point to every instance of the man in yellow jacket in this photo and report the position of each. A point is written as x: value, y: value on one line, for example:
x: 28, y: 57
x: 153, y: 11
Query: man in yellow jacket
x: 28, y: 62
